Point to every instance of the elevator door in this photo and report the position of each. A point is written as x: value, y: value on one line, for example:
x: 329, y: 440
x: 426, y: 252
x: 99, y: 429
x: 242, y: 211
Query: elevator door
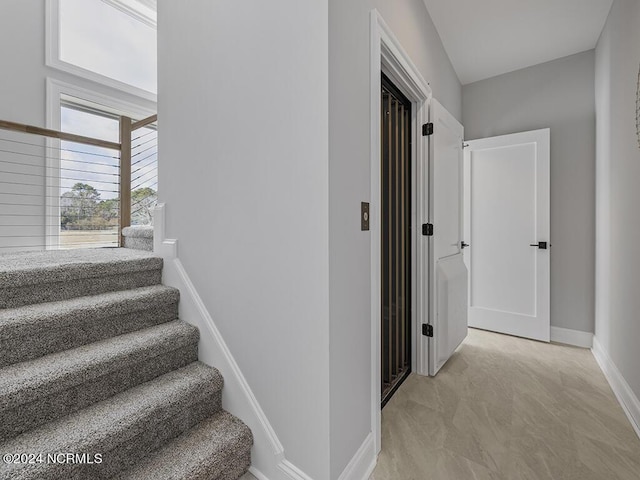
x: 396, y: 238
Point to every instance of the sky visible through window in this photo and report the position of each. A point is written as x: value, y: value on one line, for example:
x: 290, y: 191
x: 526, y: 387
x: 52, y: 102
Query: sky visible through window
x: 98, y: 165
x: 89, y: 176
x: 98, y: 37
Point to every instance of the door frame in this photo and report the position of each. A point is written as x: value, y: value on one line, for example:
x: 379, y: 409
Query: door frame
x: 388, y: 57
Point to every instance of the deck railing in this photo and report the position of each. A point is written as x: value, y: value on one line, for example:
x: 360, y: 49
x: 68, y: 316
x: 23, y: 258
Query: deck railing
x: 62, y: 190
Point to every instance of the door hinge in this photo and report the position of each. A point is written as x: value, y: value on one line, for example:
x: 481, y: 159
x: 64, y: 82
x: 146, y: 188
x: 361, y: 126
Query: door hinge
x: 427, y: 229
x: 427, y: 330
x: 427, y: 129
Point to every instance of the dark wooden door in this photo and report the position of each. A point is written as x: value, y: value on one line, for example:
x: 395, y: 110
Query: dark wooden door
x: 396, y: 238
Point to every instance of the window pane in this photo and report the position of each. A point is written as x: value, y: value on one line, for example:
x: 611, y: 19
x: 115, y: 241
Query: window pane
x: 144, y: 176
x: 79, y: 122
x: 100, y: 38
x: 96, y: 166
x: 89, y: 182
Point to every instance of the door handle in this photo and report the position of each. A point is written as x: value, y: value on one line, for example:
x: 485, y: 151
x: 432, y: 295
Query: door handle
x: 540, y: 245
x: 463, y: 245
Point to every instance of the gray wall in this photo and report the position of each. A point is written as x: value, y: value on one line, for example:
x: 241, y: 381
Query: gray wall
x: 243, y: 142
x: 22, y: 43
x: 349, y: 184
x: 558, y: 95
x: 22, y: 99
x: 618, y: 196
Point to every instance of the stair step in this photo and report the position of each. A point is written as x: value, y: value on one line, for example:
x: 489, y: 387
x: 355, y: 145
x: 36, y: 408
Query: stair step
x: 35, y: 392
x: 138, y: 237
x: 218, y: 448
x: 36, y: 277
x: 35, y: 330
x: 123, y: 429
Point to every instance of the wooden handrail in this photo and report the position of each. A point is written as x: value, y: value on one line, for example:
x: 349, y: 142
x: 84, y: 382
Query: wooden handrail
x: 126, y: 127
x: 70, y: 137
x: 124, y: 147
x: 144, y: 122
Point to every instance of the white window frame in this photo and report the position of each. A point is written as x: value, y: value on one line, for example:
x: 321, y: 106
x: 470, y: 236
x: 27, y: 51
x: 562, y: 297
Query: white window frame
x: 52, y: 57
x: 55, y: 90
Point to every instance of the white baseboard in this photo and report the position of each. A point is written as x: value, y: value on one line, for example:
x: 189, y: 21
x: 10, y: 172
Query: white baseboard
x: 363, y: 462
x: 628, y: 400
x: 256, y: 473
x: 576, y: 338
x: 292, y: 472
x: 268, y: 460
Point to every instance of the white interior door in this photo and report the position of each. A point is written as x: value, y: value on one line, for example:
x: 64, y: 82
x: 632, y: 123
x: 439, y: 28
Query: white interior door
x: 447, y: 272
x: 507, y: 228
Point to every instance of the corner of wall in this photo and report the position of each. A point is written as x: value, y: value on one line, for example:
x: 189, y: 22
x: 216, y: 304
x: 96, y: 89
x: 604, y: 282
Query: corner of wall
x: 268, y: 460
x: 568, y: 336
x: 616, y: 63
x: 363, y: 462
x: 628, y: 400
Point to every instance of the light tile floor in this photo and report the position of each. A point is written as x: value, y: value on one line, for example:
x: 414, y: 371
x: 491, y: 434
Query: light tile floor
x: 506, y: 408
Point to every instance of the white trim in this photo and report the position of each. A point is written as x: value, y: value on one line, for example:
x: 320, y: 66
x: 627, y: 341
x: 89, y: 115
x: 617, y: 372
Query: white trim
x: 576, y: 338
x: 52, y: 169
x: 388, y: 56
x: 153, y: 4
x: 363, y: 462
x: 149, y: 18
x: 268, y: 455
x: 55, y: 89
x: 374, y: 225
x: 52, y: 57
x: 627, y: 399
x: 256, y: 473
x: 291, y: 471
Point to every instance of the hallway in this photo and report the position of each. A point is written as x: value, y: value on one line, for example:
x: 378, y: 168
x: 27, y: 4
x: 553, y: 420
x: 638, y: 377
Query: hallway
x: 506, y: 408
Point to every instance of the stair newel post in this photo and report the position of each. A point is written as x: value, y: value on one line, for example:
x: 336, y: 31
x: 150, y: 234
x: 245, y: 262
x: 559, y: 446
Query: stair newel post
x: 125, y: 174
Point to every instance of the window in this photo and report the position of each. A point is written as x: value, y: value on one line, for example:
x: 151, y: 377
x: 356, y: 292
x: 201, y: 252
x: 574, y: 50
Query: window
x: 113, y: 42
x: 89, y: 177
x: 83, y: 181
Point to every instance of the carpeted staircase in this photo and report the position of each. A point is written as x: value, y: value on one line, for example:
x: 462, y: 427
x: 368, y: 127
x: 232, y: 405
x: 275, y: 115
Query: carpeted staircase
x: 94, y: 361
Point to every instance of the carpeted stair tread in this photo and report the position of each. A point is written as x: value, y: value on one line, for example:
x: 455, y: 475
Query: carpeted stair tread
x: 103, y: 305
x: 37, y: 391
x: 38, y: 277
x: 34, y: 330
x: 138, y: 237
x: 217, y: 448
x: 25, y: 381
x: 29, y: 268
x: 123, y: 428
x: 138, y: 231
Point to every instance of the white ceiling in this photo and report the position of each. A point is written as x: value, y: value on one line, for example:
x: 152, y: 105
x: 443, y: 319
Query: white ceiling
x: 485, y: 38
